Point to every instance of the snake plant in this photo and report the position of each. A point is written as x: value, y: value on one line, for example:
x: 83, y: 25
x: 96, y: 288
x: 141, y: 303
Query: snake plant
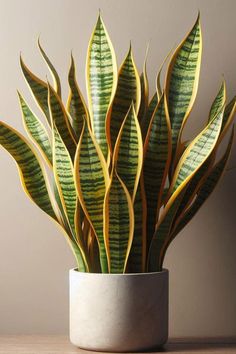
x: 120, y: 181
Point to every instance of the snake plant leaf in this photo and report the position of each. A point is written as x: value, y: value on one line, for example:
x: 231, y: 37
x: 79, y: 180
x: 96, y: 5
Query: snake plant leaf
x: 162, y: 233
x: 157, y: 157
x: 148, y: 116
x: 63, y: 175
x: 194, y: 184
x: 128, y: 152
x: 196, y: 153
x: 158, y: 80
x: 189, y: 195
x: 94, y: 253
x: 101, y: 80
x: 137, y: 256
x: 207, y: 187
x: 128, y: 90
x: 228, y: 117
x: 31, y: 171
x: 55, y: 76
x: 76, y: 105
x: 36, y: 131
x: 60, y: 118
x: 144, y: 87
x: 38, y: 88
x: 91, y: 175
x: 218, y: 102
x: 193, y: 158
x: 118, y: 224
x: 182, y: 80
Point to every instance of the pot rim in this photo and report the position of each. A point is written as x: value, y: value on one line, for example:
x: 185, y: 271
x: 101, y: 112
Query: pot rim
x: 108, y: 275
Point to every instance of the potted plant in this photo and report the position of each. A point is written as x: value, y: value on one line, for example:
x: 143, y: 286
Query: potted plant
x: 124, y: 182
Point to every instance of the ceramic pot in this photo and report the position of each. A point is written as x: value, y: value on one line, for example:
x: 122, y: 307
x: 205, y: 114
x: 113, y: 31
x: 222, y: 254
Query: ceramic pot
x: 118, y: 312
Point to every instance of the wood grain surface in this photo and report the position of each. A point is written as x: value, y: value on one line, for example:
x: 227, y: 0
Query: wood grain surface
x: 60, y: 344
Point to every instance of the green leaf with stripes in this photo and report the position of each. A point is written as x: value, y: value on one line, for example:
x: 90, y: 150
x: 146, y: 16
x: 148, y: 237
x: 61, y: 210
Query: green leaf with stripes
x: 55, y: 76
x: 193, y: 158
x: 218, y: 102
x: 162, y: 233
x: 38, y: 88
x: 148, y: 116
x: 157, y: 156
x: 128, y: 152
x: 229, y: 114
x: 216, y: 107
x: 63, y: 175
x: 128, y: 90
x: 137, y: 256
x: 196, y: 153
x: 101, y: 80
x: 36, y: 131
x: 118, y: 224
x: 182, y: 80
x: 144, y: 87
x: 205, y: 190
x: 194, y: 183
x: 59, y: 117
x: 31, y: 171
x: 76, y: 105
x: 91, y: 174
x: 159, y: 88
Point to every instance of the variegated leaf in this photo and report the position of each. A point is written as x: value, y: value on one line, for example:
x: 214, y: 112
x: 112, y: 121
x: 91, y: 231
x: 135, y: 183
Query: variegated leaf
x: 39, y: 89
x: 128, y: 90
x: 137, y: 256
x: 148, y: 116
x: 128, y: 152
x: 118, y: 224
x: 91, y: 174
x: 182, y: 80
x: 157, y: 156
x: 31, y: 171
x: 101, y: 80
x: 36, y: 130
x: 76, y: 105
x: 60, y: 119
x: 55, y: 76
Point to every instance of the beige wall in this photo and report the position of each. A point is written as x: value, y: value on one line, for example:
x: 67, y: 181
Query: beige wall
x: 34, y: 258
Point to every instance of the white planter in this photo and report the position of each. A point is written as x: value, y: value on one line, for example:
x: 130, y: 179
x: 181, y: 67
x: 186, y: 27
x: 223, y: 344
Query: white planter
x: 118, y: 312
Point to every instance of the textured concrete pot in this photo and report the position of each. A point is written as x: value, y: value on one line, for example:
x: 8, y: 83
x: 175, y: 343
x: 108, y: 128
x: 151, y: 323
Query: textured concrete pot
x: 118, y: 312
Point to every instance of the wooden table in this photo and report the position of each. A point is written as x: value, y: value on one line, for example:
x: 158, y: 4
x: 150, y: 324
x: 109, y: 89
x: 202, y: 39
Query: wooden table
x: 60, y: 344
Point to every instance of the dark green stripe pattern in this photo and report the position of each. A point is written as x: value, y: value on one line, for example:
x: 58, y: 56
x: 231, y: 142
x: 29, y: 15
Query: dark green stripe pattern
x: 101, y: 74
x: 197, y: 152
x: 55, y: 76
x: 60, y: 119
x: 91, y: 187
x: 117, y: 207
x: 129, y: 154
x: 38, y: 89
x: 76, y: 105
x: 156, y: 164
x: 63, y: 171
x: 181, y: 80
x: 162, y: 234
x: 128, y: 87
x: 218, y: 102
x: 229, y: 114
x: 144, y: 93
x: 36, y: 130
x: 148, y: 116
x: 136, y: 260
x: 30, y: 169
x: 206, y: 188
